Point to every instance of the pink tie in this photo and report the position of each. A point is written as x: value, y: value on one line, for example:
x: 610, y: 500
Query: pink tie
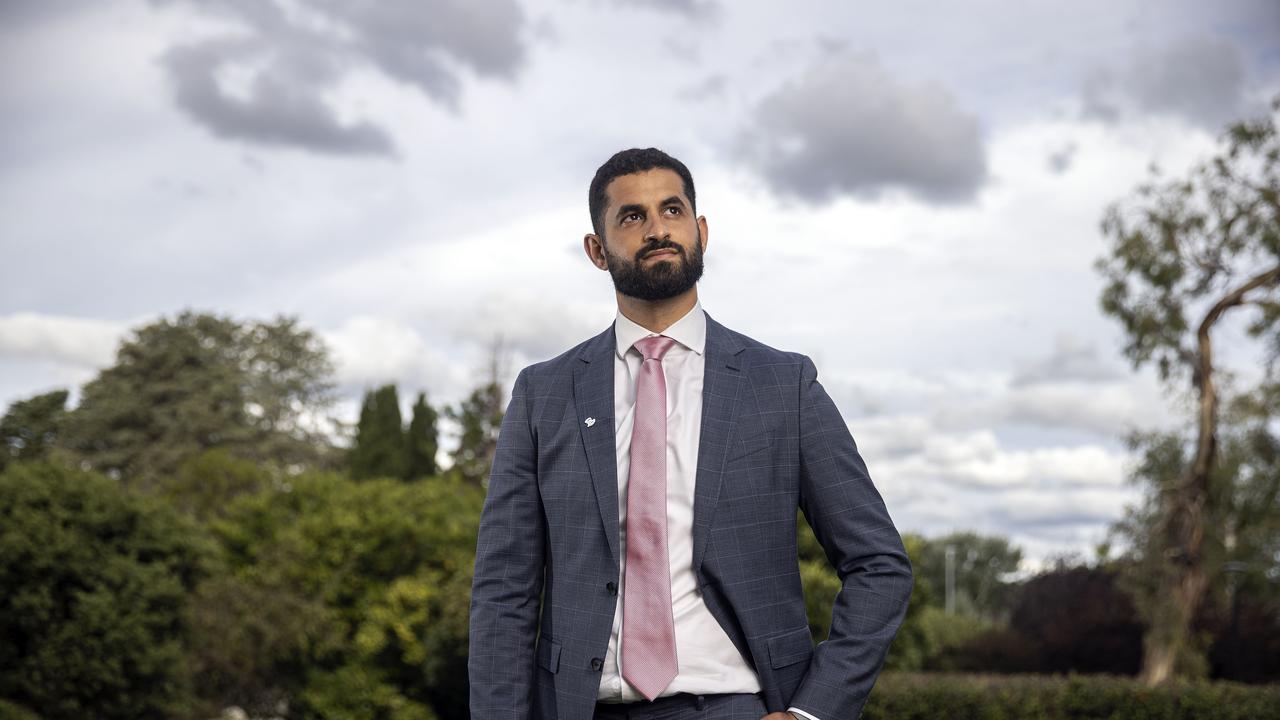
x: 648, y: 628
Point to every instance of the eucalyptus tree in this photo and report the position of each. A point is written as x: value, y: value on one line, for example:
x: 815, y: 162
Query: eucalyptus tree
x: 1187, y: 256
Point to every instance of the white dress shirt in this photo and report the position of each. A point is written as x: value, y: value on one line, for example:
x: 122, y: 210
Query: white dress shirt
x: 707, y: 660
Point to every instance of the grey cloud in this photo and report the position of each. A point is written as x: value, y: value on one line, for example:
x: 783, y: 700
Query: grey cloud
x: 1200, y: 79
x: 847, y: 127
x: 1060, y: 160
x: 284, y: 107
x: 714, y: 86
x: 20, y: 15
x: 418, y: 43
x: 1070, y: 360
x: 297, y: 52
x: 692, y: 8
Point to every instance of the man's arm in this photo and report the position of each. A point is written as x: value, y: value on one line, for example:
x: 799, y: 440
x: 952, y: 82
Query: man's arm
x: 849, y: 519
x: 507, y: 587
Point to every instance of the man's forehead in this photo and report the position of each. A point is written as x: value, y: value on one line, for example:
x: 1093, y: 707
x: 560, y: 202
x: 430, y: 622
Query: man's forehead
x: 654, y: 184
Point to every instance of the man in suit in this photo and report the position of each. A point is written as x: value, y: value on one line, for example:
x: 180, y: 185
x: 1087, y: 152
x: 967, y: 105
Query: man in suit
x: 636, y: 556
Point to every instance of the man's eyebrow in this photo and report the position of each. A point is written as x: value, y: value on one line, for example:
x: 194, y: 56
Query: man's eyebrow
x: 636, y: 207
x: 628, y: 208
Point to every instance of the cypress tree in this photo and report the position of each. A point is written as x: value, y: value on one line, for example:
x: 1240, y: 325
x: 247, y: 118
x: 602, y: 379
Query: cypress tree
x: 379, y: 445
x: 422, y: 440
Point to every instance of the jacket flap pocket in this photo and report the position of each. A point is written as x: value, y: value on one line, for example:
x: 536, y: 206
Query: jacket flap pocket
x: 790, y: 647
x: 549, y: 654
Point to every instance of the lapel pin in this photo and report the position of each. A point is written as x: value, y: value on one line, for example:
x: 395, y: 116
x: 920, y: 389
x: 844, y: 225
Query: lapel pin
x: 590, y: 421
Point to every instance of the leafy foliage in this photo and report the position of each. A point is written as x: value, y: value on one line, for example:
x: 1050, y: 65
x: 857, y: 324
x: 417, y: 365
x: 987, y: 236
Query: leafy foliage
x: 379, y: 449
x: 95, y: 581
x: 983, y: 564
x: 479, y: 417
x: 914, y: 696
x: 347, y: 599
x: 1182, y: 242
x: 30, y: 428
x: 200, y: 381
x: 422, y: 441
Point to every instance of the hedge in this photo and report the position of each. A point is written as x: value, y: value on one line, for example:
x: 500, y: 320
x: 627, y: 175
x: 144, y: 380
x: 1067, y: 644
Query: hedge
x: 954, y: 696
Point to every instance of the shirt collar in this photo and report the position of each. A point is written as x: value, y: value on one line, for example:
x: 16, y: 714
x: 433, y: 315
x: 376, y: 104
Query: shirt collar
x: 690, y: 330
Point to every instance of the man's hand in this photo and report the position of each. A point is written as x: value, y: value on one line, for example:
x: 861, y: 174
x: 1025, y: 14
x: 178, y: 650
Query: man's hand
x: 780, y: 716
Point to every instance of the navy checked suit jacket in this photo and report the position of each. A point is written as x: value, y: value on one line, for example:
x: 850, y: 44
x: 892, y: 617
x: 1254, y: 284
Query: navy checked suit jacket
x: 543, y: 595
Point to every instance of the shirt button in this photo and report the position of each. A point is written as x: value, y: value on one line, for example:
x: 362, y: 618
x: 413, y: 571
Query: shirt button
x: 596, y: 663
x: 612, y: 587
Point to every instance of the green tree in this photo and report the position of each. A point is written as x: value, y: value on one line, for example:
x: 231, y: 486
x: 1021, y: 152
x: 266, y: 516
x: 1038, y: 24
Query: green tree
x: 342, y: 599
x: 1187, y: 250
x: 379, y: 449
x: 30, y: 428
x: 479, y: 417
x: 95, y: 582
x: 422, y: 441
x: 982, y: 565
x: 1249, y: 462
x: 181, y: 386
x: 205, y: 484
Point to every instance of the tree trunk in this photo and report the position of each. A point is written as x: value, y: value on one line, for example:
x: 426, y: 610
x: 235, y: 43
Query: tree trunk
x: 1169, y: 648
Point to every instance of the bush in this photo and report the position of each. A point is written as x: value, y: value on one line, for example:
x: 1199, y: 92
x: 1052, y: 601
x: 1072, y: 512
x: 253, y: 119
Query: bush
x: 947, y: 637
x: 342, y: 599
x: 95, y: 581
x: 1067, y: 619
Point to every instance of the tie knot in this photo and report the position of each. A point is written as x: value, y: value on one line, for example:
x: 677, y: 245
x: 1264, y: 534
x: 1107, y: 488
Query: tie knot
x: 653, y: 348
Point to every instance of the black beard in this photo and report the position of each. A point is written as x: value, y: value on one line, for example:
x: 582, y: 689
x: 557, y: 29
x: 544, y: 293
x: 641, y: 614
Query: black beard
x: 660, y: 280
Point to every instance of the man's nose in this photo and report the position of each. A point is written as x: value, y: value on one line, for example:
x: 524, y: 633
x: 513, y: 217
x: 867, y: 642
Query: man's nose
x: 658, y: 228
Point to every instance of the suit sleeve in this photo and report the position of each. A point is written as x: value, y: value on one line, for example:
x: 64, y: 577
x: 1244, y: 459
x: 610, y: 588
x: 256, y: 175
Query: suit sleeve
x: 507, y: 586
x: 851, y: 522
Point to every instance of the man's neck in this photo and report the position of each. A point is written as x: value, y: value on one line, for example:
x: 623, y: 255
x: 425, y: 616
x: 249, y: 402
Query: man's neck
x: 657, y: 315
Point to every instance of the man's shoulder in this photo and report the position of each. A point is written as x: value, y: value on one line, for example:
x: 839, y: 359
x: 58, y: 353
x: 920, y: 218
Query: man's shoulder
x: 563, y: 363
x: 760, y: 352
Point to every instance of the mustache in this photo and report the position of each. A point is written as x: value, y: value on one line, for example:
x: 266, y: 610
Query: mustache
x: 660, y: 246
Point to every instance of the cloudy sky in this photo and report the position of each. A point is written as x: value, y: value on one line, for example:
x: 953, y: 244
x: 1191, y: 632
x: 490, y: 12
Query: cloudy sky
x: 907, y: 192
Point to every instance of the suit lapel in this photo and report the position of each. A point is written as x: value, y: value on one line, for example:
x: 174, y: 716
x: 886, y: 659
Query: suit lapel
x: 593, y: 397
x: 721, y: 386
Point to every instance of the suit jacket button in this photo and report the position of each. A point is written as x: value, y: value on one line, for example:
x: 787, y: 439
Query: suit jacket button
x: 612, y: 587
x: 596, y: 663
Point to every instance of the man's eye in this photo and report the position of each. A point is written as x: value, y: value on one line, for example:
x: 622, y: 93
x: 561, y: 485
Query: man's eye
x: 674, y: 209
x: 628, y: 216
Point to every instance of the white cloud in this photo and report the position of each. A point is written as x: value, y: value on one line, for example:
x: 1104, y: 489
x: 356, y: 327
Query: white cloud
x: 370, y: 351
x: 82, y: 342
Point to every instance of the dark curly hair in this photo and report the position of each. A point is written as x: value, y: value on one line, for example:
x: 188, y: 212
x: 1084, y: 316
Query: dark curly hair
x: 626, y: 162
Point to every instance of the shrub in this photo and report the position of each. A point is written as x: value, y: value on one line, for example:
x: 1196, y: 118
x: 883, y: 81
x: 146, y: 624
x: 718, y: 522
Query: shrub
x: 914, y: 696
x: 95, y: 582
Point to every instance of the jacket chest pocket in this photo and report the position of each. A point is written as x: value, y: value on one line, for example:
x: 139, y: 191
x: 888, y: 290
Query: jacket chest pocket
x: 751, y: 446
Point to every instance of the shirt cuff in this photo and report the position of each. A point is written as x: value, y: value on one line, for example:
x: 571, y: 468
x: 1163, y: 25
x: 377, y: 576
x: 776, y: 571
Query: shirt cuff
x: 801, y: 713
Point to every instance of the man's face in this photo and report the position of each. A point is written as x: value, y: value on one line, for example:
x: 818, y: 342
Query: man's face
x: 652, y: 243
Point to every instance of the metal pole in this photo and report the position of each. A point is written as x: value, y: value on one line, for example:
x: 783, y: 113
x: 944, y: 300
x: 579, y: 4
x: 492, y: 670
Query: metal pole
x: 951, y: 579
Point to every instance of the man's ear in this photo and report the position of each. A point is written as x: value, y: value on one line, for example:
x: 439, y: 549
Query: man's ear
x: 706, y: 236
x: 594, y: 248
